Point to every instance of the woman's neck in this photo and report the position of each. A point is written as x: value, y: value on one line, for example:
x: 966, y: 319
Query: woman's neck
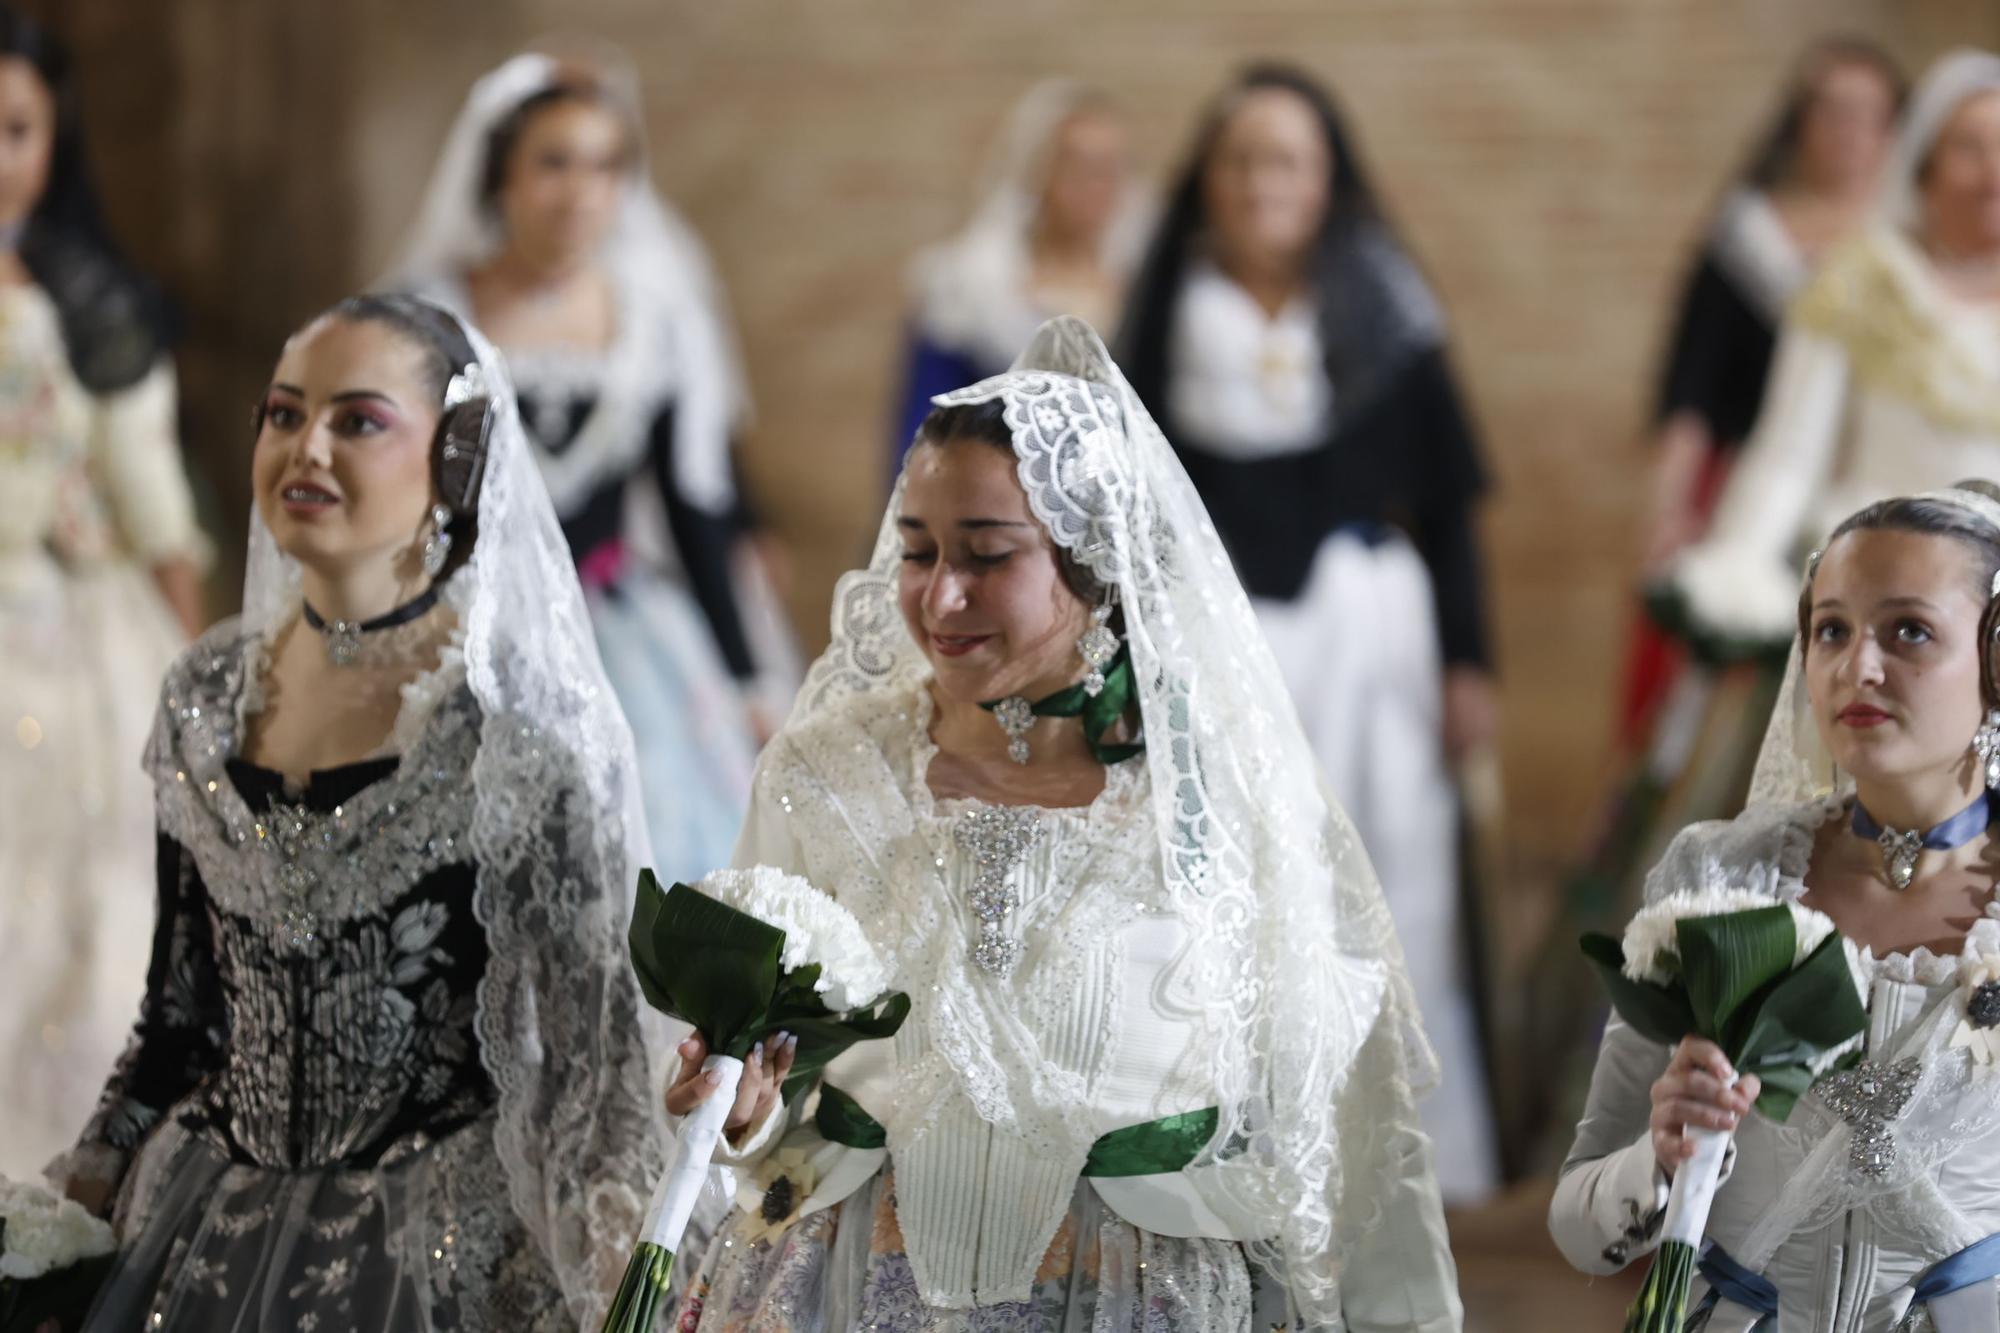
x: 359, y: 595
x: 1272, y: 283
x: 967, y: 731
x: 526, y: 276
x: 1918, y: 804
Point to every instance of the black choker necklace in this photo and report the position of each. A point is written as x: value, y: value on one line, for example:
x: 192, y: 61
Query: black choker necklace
x: 343, y: 637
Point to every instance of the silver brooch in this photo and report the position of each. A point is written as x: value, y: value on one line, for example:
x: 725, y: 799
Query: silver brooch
x: 1015, y: 716
x: 1870, y: 1097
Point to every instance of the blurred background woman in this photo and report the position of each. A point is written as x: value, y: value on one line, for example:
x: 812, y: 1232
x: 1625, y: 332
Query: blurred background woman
x: 1294, y: 355
x: 100, y: 586
x: 1058, y: 231
x: 540, y: 223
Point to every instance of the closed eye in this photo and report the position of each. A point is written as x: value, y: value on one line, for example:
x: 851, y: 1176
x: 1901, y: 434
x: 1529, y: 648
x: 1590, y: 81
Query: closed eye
x: 919, y: 557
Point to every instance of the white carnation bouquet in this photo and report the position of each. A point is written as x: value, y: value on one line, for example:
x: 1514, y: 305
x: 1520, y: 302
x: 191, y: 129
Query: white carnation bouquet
x: 53, y: 1256
x: 1775, y: 986
x: 743, y: 955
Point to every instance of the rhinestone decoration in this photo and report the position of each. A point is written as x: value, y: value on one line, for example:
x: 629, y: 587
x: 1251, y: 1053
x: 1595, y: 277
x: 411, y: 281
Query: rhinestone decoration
x: 998, y: 838
x: 1098, y: 647
x: 466, y: 385
x: 1986, y: 744
x: 1015, y: 715
x: 437, y: 541
x: 1871, y: 1097
x: 1899, y: 855
x: 1982, y: 1010
x: 343, y: 642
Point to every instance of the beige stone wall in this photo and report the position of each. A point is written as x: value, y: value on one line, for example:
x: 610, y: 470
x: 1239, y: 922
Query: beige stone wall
x: 1551, y: 160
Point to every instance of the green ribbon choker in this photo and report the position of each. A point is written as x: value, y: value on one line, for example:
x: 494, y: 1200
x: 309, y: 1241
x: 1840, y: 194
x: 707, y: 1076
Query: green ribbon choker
x: 1100, y: 712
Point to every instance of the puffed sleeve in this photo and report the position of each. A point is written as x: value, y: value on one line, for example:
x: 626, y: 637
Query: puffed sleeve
x: 136, y: 455
x: 1741, y: 580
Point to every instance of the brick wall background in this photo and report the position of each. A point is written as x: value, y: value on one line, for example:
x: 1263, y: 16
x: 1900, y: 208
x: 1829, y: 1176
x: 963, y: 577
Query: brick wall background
x: 1551, y: 161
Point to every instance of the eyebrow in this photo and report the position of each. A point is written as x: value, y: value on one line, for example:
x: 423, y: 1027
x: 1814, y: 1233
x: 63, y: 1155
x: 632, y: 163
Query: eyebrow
x: 972, y: 523
x: 1830, y: 602
x: 348, y: 396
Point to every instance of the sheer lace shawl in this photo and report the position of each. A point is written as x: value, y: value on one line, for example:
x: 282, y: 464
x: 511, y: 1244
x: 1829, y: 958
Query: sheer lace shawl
x: 1297, y: 965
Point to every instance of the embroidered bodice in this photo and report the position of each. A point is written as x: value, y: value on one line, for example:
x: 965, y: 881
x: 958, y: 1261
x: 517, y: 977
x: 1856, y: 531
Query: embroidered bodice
x: 1879, y: 1171
x: 316, y: 971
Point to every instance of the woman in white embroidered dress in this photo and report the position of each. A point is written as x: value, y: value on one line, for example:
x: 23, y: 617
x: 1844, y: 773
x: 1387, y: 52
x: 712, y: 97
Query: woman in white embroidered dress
x: 1887, y: 376
x: 389, y: 1074
x: 100, y: 588
x: 1163, y: 1058
x: 1876, y: 809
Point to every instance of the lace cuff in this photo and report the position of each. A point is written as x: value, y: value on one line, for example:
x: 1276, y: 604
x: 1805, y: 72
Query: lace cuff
x: 139, y: 458
x: 1607, y: 1212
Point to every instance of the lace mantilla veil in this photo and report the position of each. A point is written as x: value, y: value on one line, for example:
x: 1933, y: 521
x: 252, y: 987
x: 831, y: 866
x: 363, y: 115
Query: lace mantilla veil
x: 558, y: 838
x: 660, y: 269
x: 1793, y: 766
x: 1293, y: 962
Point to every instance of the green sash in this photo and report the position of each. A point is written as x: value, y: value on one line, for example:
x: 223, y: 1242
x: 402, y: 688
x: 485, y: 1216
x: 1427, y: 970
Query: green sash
x: 1151, y: 1149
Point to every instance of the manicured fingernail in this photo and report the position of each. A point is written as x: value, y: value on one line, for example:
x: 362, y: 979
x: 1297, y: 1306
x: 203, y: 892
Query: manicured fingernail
x: 792, y: 1040
x: 757, y: 1053
x: 712, y: 1077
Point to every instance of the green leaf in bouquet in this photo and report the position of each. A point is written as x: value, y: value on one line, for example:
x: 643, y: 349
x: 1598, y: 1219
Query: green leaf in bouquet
x: 825, y: 1035
x: 1812, y: 1008
x: 1726, y: 960
x: 705, y: 963
x: 1657, y: 1013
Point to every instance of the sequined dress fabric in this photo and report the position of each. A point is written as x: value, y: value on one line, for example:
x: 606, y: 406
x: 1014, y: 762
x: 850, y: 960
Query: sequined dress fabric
x: 307, y: 1115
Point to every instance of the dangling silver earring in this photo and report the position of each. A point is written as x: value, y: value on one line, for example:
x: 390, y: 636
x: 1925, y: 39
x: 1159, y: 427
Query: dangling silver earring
x: 437, y: 542
x: 1986, y: 744
x: 1097, y: 647
x: 1015, y: 716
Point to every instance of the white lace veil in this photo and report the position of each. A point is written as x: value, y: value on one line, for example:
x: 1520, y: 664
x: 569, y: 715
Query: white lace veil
x: 1951, y: 79
x: 655, y: 259
x: 971, y: 289
x: 1294, y: 962
x: 557, y: 838
x: 1794, y: 766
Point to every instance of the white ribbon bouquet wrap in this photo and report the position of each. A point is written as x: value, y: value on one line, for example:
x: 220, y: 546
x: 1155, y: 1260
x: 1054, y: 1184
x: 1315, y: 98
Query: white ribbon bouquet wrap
x: 1774, y: 985
x: 744, y: 954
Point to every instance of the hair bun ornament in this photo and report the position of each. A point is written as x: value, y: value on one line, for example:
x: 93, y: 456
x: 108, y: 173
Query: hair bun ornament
x: 464, y: 430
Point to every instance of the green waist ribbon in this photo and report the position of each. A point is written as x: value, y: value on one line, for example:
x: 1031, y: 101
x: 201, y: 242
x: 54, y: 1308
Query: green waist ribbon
x: 1153, y: 1148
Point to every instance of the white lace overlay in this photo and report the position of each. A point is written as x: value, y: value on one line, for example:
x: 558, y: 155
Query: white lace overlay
x: 513, y: 748
x: 1288, y: 963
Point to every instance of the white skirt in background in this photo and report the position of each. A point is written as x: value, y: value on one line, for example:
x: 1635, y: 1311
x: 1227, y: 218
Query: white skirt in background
x: 1359, y: 651
x: 81, y: 657
x: 688, y: 720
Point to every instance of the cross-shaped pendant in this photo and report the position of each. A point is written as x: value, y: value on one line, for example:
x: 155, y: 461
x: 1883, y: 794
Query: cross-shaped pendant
x: 1870, y: 1097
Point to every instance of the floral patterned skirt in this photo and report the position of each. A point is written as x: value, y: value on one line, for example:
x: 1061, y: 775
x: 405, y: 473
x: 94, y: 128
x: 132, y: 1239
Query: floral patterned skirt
x: 426, y: 1245
x: 847, y: 1268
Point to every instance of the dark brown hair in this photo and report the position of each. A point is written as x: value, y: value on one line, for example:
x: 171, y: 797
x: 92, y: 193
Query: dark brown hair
x: 458, y: 450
